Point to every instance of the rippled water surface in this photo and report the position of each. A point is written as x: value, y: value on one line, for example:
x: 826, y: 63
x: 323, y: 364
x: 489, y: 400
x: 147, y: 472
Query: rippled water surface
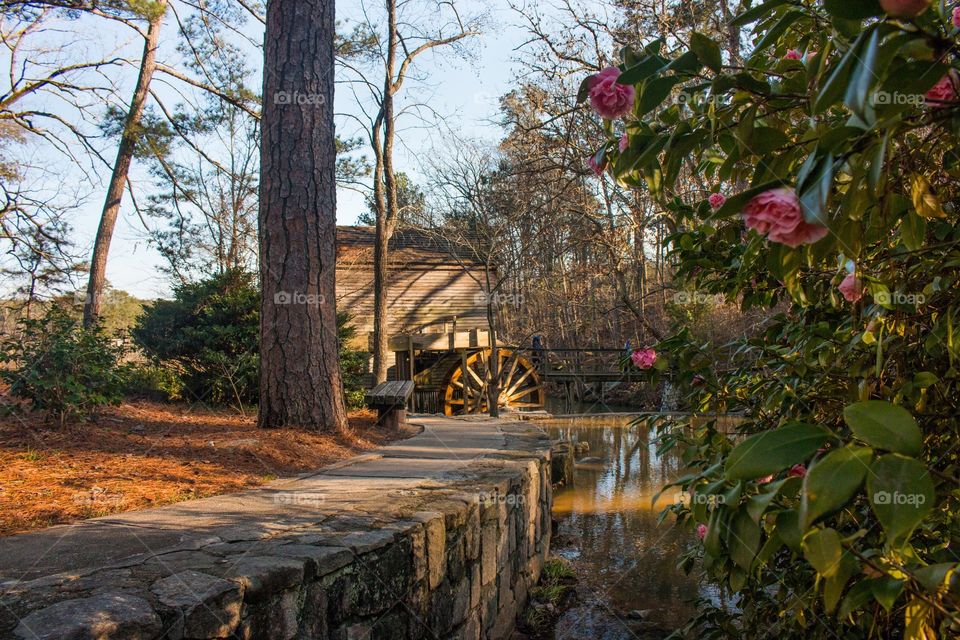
x: 608, y: 529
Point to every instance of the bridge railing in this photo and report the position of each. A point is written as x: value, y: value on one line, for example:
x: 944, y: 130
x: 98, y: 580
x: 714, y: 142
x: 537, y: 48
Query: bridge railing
x: 586, y: 364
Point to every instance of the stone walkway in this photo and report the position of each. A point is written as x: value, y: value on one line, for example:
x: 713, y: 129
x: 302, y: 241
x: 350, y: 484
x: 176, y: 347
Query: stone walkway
x: 144, y: 574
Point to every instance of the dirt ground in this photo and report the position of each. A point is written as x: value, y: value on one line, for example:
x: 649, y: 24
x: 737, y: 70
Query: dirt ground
x: 146, y: 454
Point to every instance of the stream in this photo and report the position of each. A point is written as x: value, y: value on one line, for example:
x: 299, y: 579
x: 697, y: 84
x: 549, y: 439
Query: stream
x: 629, y: 583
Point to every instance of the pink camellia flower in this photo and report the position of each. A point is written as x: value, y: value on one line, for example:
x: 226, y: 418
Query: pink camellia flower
x: 644, y: 358
x: 624, y: 142
x: 904, y: 8
x: 851, y: 288
x: 797, y: 471
x: 595, y: 166
x: 717, y: 200
x: 792, y: 54
x: 777, y: 215
x: 701, y: 531
x: 944, y: 92
x: 956, y: 17
x: 609, y: 99
x: 765, y: 479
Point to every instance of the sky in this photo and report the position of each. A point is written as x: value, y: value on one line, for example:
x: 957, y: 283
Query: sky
x: 464, y: 92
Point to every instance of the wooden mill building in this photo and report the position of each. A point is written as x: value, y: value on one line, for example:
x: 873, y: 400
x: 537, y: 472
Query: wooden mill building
x: 431, y: 282
x: 437, y: 319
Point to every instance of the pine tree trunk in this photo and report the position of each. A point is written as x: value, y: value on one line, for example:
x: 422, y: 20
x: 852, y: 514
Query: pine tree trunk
x: 121, y: 168
x: 300, y: 381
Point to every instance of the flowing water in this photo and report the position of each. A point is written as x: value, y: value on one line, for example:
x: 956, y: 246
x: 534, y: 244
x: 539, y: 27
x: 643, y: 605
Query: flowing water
x: 608, y: 530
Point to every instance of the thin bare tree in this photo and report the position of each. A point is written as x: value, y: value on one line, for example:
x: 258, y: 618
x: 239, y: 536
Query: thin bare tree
x: 410, y: 29
x: 154, y: 14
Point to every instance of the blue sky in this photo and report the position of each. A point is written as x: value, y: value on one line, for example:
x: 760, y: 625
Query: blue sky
x: 465, y: 93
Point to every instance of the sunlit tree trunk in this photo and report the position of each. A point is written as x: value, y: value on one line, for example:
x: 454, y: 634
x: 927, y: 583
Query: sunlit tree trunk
x: 300, y: 381
x: 121, y: 168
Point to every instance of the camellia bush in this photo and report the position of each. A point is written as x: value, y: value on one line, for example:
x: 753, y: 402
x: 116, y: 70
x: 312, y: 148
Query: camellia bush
x: 831, y: 157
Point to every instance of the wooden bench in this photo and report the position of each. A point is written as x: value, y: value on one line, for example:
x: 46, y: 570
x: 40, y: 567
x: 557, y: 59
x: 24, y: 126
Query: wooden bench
x: 390, y: 400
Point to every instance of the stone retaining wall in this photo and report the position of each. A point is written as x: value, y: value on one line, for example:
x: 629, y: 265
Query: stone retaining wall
x: 450, y: 556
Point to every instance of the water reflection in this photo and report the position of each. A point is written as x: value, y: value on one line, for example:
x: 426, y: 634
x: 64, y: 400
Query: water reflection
x: 608, y: 528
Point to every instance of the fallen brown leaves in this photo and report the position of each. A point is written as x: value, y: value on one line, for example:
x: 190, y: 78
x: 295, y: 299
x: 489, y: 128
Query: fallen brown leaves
x: 145, y: 454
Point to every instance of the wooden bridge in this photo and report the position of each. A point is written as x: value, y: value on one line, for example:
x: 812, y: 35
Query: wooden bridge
x: 579, y: 365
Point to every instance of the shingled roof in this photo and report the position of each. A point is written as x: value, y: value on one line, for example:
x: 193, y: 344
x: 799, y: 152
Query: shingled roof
x: 407, y: 246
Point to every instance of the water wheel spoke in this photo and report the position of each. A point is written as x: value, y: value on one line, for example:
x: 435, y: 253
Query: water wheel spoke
x: 522, y: 393
x: 505, y: 379
x: 516, y: 385
x: 473, y: 374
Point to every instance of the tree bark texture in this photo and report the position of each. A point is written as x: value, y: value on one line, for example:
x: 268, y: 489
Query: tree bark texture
x: 300, y: 380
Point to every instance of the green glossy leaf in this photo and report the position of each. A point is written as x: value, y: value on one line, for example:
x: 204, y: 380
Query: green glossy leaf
x: 863, y: 76
x: 816, y: 191
x: 584, y: 91
x: 655, y: 91
x: 833, y: 585
x: 853, y: 9
x: 859, y: 595
x: 885, y: 425
x: 644, y: 69
x: 832, y: 481
x: 901, y: 493
x: 772, y: 35
x: 688, y: 63
x: 775, y: 450
x: 925, y: 379
x: 837, y: 80
x: 770, y: 547
x: 878, y: 162
x: 757, y: 505
x: 936, y: 577
x: 743, y: 540
x: 707, y: 50
x: 822, y: 549
x: 715, y: 528
x: 757, y: 12
x: 886, y: 590
x: 788, y: 528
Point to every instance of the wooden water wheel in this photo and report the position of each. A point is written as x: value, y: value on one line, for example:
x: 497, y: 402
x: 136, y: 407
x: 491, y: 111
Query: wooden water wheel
x: 520, y: 386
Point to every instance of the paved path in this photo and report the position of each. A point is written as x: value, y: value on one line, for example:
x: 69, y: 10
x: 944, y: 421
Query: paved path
x: 441, y: 535
x: 444, y: 448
